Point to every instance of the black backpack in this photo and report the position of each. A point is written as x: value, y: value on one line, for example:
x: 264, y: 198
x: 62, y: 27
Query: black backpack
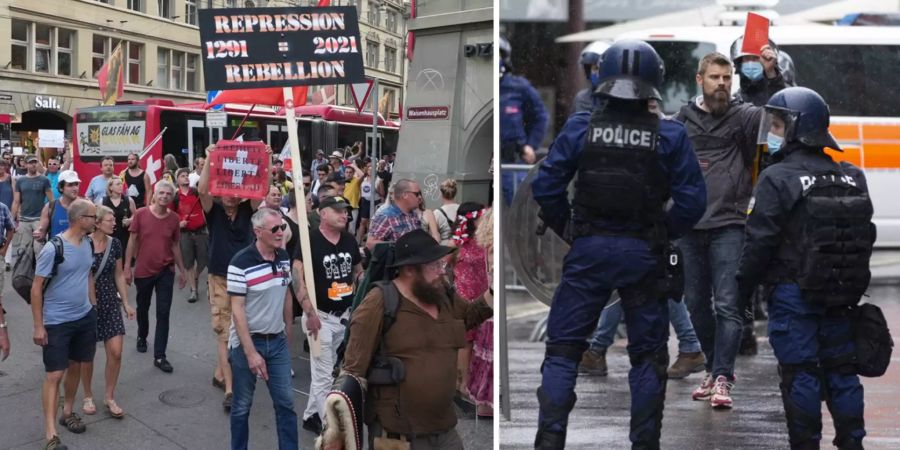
x: 23, y: 270
x: 873, y: 340
x: 378, y: 274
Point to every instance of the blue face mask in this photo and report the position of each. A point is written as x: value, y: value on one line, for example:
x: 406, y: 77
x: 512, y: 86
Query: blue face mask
x: 752, y: 70
x: 595, y: 80
x: 774, y: 141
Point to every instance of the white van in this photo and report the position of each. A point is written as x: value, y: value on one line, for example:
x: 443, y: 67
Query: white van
x: 855, y: 69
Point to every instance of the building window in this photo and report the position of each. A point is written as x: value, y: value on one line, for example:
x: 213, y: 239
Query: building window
x: 348, y: 96
x: 64, y: 43
x: 134, y: 62
x: 374, y: 15
x: 136, y: 5
x: 190, y: 12
x: 391, y: 21
x: 103, y: 46
x: 390, y: 59
x: 20, y: 41
x: 177, y: 70
x: 191, y: 73
x: 41, y: 48
x: 162, y: 68
x: 165, y: 8
x: 372, y: 54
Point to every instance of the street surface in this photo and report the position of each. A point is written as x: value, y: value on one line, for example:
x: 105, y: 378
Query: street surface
x: 181, y: 410
x: 601, y: 415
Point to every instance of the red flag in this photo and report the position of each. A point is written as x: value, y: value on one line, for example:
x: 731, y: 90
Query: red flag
x: 111, y: 77
x: 324, y: 3
x: 756, y: 34
x: 260, y: 96
x: 411, y: 36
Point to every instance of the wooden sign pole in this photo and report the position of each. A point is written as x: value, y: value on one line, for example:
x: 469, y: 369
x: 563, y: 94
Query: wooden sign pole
x: 315, y: 348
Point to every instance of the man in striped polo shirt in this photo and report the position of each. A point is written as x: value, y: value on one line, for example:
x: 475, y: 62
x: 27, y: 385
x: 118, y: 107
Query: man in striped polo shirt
x: 258, y: 279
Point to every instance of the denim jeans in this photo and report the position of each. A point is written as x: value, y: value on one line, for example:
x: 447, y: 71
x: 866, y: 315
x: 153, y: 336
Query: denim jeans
x: 678, y: 317
x: 274, y: 351
x: 711, y: 294
x: 163, y: 283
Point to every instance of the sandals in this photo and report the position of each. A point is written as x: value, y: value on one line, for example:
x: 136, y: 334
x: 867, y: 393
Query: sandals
x: 72, y: 423
x: 88, y: 408
x: 114, y: 410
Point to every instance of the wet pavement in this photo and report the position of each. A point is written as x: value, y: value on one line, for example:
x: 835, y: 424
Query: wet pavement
x: 181, y: 410
x: 601, y: 415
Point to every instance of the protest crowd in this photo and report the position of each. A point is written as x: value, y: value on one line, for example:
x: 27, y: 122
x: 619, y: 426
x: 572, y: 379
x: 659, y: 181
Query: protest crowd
x: 407, y: 285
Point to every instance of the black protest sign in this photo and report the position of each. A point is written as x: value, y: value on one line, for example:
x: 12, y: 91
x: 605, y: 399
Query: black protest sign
x: 247, y: 48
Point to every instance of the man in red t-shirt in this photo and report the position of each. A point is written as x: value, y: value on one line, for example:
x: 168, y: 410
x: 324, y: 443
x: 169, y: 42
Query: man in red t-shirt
x: 154, y: 242
x: 194, y: 238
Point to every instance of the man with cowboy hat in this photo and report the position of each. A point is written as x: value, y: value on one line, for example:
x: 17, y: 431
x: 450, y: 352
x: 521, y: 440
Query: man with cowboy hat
x: 413, y: 401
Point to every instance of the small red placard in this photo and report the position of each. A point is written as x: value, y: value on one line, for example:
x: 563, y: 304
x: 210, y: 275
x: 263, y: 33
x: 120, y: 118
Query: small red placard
x: 756, y: 34
x: 239, y: 169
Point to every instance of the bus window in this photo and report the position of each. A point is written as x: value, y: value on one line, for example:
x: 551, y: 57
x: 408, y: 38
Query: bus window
x: 682, y: 60
x: 855, y: 80
x: 181, y: 130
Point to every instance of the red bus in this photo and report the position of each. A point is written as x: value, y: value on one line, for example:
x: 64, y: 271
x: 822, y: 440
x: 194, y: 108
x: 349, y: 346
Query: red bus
x: 129, y: 126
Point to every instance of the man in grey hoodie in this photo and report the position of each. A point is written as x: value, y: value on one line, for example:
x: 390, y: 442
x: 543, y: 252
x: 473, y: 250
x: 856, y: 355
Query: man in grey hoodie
x: 724, y: 134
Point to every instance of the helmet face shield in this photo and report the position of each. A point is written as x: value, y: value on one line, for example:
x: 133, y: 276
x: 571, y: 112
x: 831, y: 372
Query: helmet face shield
x: 778, y: 122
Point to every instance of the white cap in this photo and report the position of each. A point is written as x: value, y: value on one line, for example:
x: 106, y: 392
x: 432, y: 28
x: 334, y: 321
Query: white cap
x: 69, y: 176
x: 337, y: 154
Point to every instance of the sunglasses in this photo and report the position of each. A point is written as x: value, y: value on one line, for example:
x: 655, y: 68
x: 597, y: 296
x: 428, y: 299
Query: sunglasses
x: 416, y: 193
x: 89, y: 215
x: 278, y: 227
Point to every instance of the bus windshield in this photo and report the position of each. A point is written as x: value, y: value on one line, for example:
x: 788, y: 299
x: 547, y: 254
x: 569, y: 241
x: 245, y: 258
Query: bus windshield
x: 855, y: 80
x: 681, y: 60
x: 109, y: 131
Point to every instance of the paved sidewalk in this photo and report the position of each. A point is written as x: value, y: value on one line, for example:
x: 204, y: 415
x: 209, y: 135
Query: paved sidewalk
x: 181, y: 410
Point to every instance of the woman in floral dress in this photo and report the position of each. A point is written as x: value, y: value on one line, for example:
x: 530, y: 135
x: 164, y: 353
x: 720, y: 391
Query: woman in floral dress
x: 471, y: 280
x: 112, y: 296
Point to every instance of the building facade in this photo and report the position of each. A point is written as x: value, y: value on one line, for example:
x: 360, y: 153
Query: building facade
x: 51, y: 54
x: 448, y: 127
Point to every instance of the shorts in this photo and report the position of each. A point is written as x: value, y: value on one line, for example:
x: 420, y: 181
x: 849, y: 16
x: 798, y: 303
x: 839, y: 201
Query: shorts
x: 220, y: 305
x: 70, y: 341
x: 364, y: 208
x: 194, y: 249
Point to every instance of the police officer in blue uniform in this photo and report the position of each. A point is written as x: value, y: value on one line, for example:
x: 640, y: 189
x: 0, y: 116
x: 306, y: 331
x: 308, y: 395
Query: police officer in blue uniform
x: 590, y: 64
x: 523, y: 122
x: 629, y: 163
x: 809, y: 234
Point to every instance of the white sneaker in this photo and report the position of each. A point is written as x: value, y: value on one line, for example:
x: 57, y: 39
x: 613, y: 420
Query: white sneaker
x: 705, y: 390
x: 721, y: 397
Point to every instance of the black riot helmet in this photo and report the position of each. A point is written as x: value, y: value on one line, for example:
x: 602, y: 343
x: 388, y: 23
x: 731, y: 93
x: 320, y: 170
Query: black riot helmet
x: 630, y: 70
x: 786, y: 66
x: 737, y: 54
x: 805, y: 117
x: 505, y: 54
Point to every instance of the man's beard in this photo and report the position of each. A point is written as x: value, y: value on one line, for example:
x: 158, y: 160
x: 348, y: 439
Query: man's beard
x: 429, y: 293
x: 717, y: 102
